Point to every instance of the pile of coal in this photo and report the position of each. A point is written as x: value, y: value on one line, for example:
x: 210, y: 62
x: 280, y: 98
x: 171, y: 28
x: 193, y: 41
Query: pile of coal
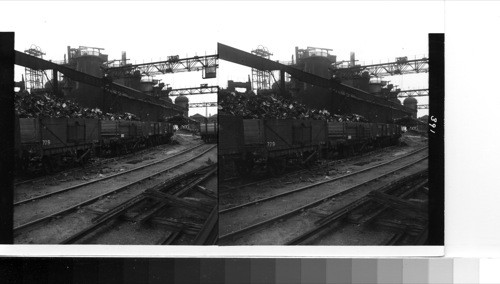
x: 250, y: 106
x: 43, y: 105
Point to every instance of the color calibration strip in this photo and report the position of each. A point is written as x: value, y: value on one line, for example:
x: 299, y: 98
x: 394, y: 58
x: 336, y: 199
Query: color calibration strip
x: 249, y: 270
x: 313, y: 271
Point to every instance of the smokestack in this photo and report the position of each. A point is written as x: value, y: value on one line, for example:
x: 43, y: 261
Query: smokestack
x: 124, y: 57
x: 69, y: 54
x: 353, y: 59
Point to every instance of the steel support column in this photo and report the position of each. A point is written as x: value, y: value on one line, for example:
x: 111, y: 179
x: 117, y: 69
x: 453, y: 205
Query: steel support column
x: 282, y: 83
x: 55, y: 84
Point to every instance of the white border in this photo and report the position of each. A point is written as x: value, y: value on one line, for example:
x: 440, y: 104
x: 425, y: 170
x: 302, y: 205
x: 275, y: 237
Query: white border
x: 221, y: 251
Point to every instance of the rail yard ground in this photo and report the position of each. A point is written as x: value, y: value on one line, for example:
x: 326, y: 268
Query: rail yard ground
x: 378, y: 198
x: 161, y: 195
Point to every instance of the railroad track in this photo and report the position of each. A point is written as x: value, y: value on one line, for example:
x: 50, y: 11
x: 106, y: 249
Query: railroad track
x: 40, y: 178
x: 365, y: 212
x: 228, y: 187
x: 172, y: 191
x: 259, y: 205
x: 16, y: 203
x: 225, y: 210
x: 55, y: 197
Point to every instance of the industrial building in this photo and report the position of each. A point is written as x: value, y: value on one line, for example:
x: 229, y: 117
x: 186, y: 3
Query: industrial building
x: 90, y: 79
x: 315, y: 77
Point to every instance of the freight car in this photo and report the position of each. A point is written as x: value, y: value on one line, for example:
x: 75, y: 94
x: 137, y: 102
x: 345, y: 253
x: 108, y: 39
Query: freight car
x: 273, y: 143
x: 209, y: 131
x: 122, y: 136
x: 193, y: 127
x: 48, y: 144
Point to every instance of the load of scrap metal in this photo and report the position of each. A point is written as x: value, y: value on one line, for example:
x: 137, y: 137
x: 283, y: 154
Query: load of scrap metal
x: 273, y: 107
x: 44, y: 105
x: 179, y: 120
x: 409, y: 121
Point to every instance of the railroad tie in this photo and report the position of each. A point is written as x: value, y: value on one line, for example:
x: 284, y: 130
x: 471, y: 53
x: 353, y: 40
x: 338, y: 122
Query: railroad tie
x: 176, y: 225
x: 403, y: 206
x: 205, y: 191
x: 179, y: 202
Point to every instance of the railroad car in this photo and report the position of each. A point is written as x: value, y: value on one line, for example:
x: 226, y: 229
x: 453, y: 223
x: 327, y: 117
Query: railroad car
x: 273, y: 143
x: 48, y: 144
x: 209, y: 132
x: 55, y: 142
x: 347, y: 138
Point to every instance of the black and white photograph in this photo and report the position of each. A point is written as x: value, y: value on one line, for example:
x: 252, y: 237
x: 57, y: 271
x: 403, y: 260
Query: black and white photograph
x: 323, y: 133
x: 200, y: 127
x: 115, y: 129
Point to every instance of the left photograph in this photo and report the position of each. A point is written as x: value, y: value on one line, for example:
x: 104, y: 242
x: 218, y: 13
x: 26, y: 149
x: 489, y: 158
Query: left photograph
x: 115, y: 139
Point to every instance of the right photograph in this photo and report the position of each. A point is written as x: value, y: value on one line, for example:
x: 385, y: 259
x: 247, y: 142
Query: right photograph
x: 324, y: 145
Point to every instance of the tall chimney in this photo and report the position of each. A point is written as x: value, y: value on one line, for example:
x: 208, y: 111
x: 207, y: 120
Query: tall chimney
x: 124, y: 57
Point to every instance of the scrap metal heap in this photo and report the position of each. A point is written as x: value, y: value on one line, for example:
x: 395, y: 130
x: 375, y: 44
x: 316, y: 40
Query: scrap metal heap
x: 248, y: 106
x: 44, y: 105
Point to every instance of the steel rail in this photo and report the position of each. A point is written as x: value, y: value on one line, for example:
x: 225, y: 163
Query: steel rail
x: 179, y: 193
x: 208, y: 227
x: 104, y: 178
x: 69, y: 209
x: 350, y: 207
x: 314, y: 203
x: 118, y: 210
x: 383, y: 208
x: 319, y: 183
x: 301, y: 170
x: 111, y: 159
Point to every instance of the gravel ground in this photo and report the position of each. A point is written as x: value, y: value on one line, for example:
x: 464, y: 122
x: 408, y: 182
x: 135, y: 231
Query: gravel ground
x: 43, y: 207
x: 62, y: 227
x: 287, y: 229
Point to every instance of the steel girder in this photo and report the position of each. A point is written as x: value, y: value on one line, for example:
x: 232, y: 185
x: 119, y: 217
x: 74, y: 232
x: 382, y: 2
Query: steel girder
x: 423, y: 106
x: 413, y: 93
x: 209, y: 104
x: 194, y: 91
x: 384, y: 69
x: 173, y: 65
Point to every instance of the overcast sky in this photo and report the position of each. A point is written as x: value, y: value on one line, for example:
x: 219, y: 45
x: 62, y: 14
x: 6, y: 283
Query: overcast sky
x: 151, y: 31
